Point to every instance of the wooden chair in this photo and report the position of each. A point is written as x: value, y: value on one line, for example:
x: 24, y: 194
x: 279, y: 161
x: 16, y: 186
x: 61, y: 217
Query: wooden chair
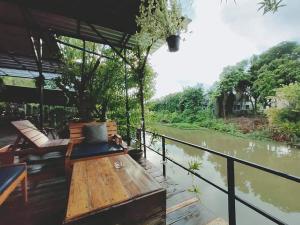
x: 11, y: 175
x: 41, y: 143
x: 77, y: 138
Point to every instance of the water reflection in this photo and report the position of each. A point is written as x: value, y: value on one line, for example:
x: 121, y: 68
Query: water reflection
x: 269, y: 192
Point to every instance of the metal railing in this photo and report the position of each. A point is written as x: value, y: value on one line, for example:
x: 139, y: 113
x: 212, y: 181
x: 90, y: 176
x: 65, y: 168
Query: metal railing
x: 232, y: 197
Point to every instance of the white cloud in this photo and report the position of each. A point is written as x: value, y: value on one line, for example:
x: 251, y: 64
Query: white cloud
x: 221, y: 35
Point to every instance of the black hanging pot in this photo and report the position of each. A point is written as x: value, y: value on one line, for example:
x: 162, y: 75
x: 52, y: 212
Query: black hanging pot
x: 173, y: 43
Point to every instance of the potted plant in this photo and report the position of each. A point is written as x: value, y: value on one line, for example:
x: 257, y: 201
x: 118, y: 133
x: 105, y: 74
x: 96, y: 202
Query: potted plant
x: 160, y: 20
x: 172, y: 24
x: 136, y: 152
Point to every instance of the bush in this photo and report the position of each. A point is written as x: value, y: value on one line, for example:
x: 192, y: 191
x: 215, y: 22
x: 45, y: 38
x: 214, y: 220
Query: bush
x: 285, y: 121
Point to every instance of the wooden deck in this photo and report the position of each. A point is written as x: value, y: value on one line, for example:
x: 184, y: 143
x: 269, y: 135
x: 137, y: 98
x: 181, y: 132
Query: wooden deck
x: 183, y: 207
x: 47, y: 204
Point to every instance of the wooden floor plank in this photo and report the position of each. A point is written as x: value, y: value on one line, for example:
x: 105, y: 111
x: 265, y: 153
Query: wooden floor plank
x: 182, y: 204
x: 48, y: 201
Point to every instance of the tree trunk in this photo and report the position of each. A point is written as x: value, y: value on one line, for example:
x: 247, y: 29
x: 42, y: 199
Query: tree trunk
x: 252, y: 104
x: 103, y: 112
x: 255, y: 106
x: 224, y: 101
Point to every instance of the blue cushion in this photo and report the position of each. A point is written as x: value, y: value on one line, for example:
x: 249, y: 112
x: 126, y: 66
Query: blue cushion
x: 8, y: 174
x: 88, y: 150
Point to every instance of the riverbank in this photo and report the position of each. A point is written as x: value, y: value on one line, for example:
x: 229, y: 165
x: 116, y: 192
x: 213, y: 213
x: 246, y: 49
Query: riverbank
x: 230, y: 129
x: 249, y: 127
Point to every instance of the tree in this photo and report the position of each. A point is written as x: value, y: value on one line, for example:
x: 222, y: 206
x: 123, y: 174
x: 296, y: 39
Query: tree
x: 97, y: 84
x: 232, y: 79
x: 285, y: 118
x: 78, y: 72
x: 256, y: 79
x: 277, y: 66
x: 192, y: 99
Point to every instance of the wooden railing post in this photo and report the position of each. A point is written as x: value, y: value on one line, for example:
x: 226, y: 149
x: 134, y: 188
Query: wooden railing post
x: 163, y: 143
x: 231, y: 191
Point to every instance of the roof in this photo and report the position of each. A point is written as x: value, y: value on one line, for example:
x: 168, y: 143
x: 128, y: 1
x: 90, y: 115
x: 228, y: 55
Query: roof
x: 99, y: 21
x: 25, y: 73
x: 31, y: 95
x: 16, y: 51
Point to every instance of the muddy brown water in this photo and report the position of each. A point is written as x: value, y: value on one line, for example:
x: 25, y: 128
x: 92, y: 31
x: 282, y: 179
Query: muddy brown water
x: 275, y: 195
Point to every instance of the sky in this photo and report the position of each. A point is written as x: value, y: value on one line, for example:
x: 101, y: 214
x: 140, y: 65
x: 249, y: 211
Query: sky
x: 221, y: 35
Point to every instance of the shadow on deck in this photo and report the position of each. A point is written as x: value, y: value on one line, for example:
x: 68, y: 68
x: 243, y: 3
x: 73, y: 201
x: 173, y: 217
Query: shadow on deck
x: 48, y: 200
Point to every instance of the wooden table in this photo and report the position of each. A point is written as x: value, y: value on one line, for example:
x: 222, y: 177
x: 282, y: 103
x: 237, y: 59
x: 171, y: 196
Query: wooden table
x: 101, y: 194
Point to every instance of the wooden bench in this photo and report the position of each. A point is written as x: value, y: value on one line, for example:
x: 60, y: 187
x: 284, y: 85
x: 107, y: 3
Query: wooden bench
x: 11, y: 175
x: 77, y: 138
x: 40, y: 142
x: 76, y: 134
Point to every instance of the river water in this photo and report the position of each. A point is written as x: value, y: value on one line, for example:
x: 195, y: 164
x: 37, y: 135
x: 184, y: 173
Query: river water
x: 266, y: 191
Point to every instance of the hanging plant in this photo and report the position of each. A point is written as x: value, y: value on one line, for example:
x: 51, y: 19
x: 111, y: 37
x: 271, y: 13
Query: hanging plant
x: 160, y: 20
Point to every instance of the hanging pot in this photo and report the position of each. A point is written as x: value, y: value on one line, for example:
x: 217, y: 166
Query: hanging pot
x: 173, y: 43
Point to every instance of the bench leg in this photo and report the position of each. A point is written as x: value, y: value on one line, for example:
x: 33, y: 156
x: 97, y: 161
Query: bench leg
x: 15, y: 145
x: 24, y: 189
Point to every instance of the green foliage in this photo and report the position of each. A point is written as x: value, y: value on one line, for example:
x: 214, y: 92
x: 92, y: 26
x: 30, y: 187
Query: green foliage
x: 194, y: 165
x: 277, y: 66
x: 286, y: 117
x: 231, y: 76
x: 190, y: 101
x: 195, y: 189
x: 256, y: 79
x: 97, y: 84
x: 270, y: 5
x: 291, y: 94
x: 1, y: 83
x: 233, y: 80
x: 157, y: 20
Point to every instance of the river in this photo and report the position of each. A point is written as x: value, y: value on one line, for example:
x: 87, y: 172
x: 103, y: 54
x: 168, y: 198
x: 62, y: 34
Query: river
x: 268, y: 192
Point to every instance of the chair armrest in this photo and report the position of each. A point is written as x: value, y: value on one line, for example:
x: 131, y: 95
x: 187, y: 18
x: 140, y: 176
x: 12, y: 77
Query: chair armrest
x: 6, y: 155
x: 77, y: 140
x: 124, y: 146
x: 70, y: 149
x: 116, y: 138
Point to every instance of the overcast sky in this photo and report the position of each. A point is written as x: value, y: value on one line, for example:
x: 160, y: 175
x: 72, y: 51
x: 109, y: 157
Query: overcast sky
x: 222, y: 34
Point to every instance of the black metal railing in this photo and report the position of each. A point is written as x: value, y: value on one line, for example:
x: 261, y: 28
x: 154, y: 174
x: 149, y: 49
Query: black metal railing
x: 232, y: 197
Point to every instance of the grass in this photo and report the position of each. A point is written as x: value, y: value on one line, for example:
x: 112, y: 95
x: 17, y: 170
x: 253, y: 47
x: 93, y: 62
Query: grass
x: 205, y: 120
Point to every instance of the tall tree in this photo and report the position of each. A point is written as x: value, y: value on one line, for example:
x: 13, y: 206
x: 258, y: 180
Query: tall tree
x: 232, y: 79
x: 97, y: 84
x: 277, y: 66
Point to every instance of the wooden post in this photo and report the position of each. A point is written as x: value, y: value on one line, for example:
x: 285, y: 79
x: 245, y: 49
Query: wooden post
x: 127, y: 104
x: 24, y: 188
x: 40, y: 87
x: 143, y: 113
